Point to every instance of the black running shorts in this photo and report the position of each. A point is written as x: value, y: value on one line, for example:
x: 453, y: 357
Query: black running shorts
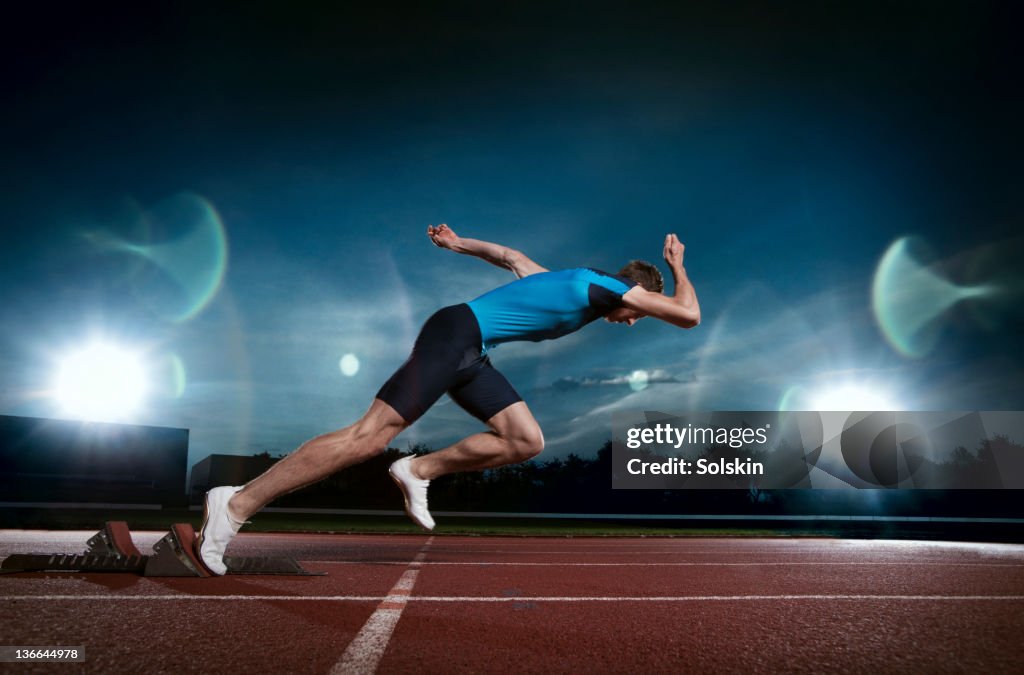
x: 447, y: 358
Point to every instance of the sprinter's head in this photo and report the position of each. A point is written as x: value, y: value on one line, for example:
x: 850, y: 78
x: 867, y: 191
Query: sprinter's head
x: 645, y: 274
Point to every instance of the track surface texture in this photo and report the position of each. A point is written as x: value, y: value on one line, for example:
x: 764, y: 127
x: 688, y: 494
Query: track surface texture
x: 442, y: 604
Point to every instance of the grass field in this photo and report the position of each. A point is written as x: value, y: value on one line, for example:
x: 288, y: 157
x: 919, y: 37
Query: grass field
x: 85, y: 519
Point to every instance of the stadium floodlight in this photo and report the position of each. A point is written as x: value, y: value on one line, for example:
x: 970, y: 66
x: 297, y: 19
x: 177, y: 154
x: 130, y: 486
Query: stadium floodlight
x: 853, y: 397
x: 100, y: 382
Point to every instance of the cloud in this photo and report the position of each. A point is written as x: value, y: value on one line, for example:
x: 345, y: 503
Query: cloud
x: 647, y: 377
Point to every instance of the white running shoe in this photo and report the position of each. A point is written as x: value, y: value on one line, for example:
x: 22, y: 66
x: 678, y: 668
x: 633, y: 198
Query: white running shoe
x: 415, y: 491
x: 219, y: 528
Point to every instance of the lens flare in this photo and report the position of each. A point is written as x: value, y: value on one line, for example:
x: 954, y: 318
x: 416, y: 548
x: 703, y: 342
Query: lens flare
x: 349, y: 365
x: 909, y: 298
x: 177, y: 375
x: 193, y: 260
x: 791, y: 398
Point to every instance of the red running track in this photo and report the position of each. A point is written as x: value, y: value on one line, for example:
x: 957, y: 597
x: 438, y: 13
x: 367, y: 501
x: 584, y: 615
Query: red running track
x: 393, y: 604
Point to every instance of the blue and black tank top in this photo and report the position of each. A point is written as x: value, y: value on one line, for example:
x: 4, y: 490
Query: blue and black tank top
x: 547, y: 305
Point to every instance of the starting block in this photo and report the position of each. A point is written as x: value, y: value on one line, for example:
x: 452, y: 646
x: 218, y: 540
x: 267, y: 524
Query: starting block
x: 175, y: 555
x: 114, y: 539
x: 112, y: 550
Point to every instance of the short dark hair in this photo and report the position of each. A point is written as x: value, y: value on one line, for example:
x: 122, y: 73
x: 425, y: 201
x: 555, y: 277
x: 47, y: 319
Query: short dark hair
x: 645, y: 274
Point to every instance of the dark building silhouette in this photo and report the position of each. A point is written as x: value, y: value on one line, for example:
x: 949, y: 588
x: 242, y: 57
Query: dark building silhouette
x: 63, y: 461
x: 225, y: 470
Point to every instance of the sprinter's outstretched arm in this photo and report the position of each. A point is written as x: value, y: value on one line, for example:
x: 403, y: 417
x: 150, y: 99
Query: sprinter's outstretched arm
x: 680, y: 309
x: 496, y: 254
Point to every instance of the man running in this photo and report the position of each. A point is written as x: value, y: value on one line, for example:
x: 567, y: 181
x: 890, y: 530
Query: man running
x: 450, y: 355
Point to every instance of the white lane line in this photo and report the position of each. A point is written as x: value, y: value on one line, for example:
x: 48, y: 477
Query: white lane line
x: 364, y: 653
x: 520, y: 598
x: 200, y: 598
x: 666, y: 564
x: 677, y: 551
x: 714, y: 598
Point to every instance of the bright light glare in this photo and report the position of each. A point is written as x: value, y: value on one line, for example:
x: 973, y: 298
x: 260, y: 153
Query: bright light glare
x: 101, y: 381
x: 638, y: 380
x: 853, y: 397
x: 349, y: 365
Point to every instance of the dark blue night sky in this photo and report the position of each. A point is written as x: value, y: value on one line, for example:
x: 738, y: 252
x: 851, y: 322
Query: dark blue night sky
x: 241, y: 195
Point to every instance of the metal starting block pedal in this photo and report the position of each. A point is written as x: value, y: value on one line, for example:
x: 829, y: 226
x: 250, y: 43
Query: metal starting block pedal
x: 114, y: 539
x: 175, y: 555
x: 112, y: 550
